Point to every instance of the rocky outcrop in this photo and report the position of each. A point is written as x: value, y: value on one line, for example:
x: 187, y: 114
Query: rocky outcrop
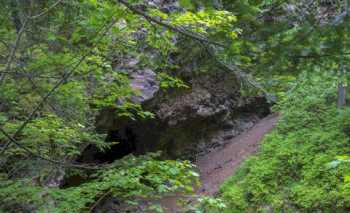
x: 164, y: 5
x: 187, y: 121
x: 145, y: 83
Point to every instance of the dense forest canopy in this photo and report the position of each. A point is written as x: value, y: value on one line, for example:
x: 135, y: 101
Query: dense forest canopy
x: 64, y: 62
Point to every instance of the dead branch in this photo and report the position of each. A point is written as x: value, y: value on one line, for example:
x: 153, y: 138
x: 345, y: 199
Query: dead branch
x: 30, y: 152
x: 13, y: 51
x: 180, y: 30
x: 104, y: 30
x: 46, y: 11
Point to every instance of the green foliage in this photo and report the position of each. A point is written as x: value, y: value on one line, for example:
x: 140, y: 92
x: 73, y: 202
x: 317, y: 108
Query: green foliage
x: 85, y: 40
x: 167, y: 82
x: 130, y: 179
x: 291, y: 172
x: 88, y: 38
x: 211, y: 22
x: 133, y: 111
x: 52, y: 137
x: 186, y: 4
x: 208, y: 204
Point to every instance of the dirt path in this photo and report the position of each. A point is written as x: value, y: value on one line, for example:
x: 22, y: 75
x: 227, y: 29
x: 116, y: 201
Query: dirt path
x: 221, y: 163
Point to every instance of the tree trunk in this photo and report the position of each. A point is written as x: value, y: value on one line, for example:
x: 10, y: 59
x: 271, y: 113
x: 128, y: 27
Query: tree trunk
x: 15, y: 15
x: 341, y: 99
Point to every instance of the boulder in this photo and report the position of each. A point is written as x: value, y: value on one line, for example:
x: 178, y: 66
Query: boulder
x: 145, y: 83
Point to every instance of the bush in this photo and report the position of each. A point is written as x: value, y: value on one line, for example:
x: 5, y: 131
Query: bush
x: 130, y: 179
x: 291, y: 172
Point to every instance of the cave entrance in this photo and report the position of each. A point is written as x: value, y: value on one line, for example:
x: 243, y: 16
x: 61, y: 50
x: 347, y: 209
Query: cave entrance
x: 126, y: 144
x: 92, y: 155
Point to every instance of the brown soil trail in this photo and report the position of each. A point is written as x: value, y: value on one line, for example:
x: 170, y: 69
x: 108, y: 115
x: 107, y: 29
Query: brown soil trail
x: 222, y: 162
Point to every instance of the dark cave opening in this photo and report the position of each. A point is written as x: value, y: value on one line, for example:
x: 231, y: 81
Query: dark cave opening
x: 125, y: 144
x: 92, y: 155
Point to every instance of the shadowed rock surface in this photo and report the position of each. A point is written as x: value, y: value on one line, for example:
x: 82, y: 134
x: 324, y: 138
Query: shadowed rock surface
x: 187, y: 121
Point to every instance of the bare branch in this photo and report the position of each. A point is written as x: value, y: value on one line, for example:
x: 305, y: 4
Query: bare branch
x: 26, y: 75
x: 5, y: 44
x: 13, y: 51
x: 64, y: 164
x: 318, y: 56
x: 202, y: 40
x: 240, y: 74
x: 104, y: 195
x: 46, y: 11
x: 180, y: 30
x: 36, y: 89
x: 68, y: 74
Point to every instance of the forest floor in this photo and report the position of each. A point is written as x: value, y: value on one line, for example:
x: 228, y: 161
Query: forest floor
x: 221, y: 163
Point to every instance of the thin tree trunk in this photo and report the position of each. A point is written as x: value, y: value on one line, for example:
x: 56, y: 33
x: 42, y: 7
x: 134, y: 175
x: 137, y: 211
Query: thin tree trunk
x: 15, y: 15
x: 341, y: 99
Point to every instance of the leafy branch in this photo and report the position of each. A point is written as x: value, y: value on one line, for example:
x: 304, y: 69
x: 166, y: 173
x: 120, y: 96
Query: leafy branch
x: 12, y: 139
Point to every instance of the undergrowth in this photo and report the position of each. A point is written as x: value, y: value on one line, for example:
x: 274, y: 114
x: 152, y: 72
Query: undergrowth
x: 132, y: 180
x: 292, y: 171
